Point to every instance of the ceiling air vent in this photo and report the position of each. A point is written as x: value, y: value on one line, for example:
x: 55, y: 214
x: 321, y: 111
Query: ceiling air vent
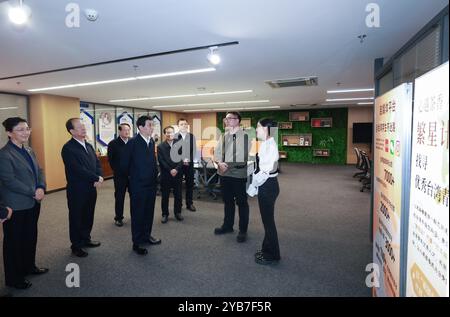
x: 293, y: 82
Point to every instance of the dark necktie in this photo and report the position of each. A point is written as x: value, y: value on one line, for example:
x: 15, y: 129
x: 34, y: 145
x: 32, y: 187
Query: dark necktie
x: 234, y: 147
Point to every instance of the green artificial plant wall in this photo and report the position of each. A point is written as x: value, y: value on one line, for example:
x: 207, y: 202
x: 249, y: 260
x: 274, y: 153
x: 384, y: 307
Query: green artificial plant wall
x: 338, y: 132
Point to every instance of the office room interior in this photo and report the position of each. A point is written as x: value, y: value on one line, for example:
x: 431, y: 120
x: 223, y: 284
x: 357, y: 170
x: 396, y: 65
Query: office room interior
x: 339, y: 109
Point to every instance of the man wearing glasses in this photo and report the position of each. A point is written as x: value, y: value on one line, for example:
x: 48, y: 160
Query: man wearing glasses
x: 187, y: 145
x: 231, y: 156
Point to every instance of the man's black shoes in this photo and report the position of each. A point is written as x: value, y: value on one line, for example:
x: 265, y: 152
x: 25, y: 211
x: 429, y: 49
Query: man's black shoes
x: 38, y: 270
x: 79, y: 252
x: 179, y: 217
x: 21, y: 285
x: 164, y: 219
x: 139, y: 250
x: 92, y: 244
x: 153, y: 241
x: 263, y: 260
x: 191, y: 208
x: 241, y: 237
x: 222, y: 230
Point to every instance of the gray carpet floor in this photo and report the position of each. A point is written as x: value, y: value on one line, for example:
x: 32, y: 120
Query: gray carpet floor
x: 323, y: 226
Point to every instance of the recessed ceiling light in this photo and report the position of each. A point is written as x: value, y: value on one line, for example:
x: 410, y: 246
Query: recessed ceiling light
x: 198, y: 110
x: 225, y: 92
x: 349, y: 99
x: 185, y: 72
x: 248, y: 108
x: 183, y: 96
x: 349, y: 90
x: 231, y: 109
x: 8, y: 108
x: 212, y: 103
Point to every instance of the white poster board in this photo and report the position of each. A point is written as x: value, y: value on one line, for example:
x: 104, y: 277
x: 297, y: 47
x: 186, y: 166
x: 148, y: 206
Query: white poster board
x: 392, y: 125
x: 126, y: 117
x: 428, y: 250
x: 88, y: 120
x: 106, y: 129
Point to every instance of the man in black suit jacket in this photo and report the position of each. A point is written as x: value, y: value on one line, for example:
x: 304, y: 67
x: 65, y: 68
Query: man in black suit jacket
x: 187, y: 149
x: 139, y: 163
x: 170, y: 177
x: 84, y: 175
x: 115, y: 150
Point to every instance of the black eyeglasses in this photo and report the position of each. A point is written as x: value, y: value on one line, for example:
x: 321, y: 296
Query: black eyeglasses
x: 23, y: 130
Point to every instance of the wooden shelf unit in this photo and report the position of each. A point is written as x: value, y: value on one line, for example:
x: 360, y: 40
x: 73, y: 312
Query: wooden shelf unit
x: 321, y: 122
x: 285, y: 125
x: 301, y: 140
x: 299, y: 116
x: 321, y: 152
x: 282, y: 155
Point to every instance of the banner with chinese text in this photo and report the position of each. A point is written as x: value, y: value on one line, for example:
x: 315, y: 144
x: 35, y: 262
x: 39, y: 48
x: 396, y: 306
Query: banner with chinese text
x: 427, y: 264
x: 392, y: 125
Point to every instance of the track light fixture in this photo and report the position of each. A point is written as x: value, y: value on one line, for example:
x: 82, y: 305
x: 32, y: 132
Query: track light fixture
x: 213, y: 57
x: 20, y: 14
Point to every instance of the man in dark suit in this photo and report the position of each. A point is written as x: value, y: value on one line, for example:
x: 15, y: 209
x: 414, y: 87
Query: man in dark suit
x: 170, y: 177
x: 139, y: 163
x: 187, y: 149
x: 115, y: 149
x: 22, y: 189
x: 84, y: 175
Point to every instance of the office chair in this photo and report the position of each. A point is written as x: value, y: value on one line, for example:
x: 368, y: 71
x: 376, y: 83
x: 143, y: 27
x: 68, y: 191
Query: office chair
x: 359, y: 164
x: 208, y: 178
x: 367, y: 179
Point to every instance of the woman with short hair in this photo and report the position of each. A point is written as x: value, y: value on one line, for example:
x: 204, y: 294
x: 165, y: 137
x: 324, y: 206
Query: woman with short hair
x: 23, y: 188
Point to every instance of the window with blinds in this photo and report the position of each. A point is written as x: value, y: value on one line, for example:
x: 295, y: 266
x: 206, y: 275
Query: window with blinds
x: 445, y: 44
x: 419, y: 59
x: 386, y: 83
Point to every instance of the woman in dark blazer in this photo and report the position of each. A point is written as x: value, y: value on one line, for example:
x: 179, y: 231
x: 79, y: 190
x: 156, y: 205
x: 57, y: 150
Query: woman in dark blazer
x: 23, y: 188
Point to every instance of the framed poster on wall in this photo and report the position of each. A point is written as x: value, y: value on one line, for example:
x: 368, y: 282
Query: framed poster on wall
x: 157, y: 129
x: 428, y: 263
x: 393, y: 115
x: 106, y: 127
x: 87, y: 118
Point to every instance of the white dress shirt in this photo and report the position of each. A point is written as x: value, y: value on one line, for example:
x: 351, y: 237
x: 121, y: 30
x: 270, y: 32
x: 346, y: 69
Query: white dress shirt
x: 268, y: 165
x: 268, y: 157
x: 83, y: 143
x: 147, y: 140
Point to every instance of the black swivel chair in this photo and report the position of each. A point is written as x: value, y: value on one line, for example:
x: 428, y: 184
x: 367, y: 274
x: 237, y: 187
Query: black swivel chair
x: 367, y: 179
x: 359, y: 164
x: 208, y: 178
